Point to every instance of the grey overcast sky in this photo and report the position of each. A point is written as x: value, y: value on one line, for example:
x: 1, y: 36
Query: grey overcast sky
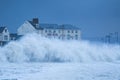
x: 94, y: 17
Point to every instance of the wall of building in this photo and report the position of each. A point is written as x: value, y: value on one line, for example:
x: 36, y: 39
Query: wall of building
x: 65, y: 34
x: 26, y: 28
x: 59, y: 33
x: 4, y: 36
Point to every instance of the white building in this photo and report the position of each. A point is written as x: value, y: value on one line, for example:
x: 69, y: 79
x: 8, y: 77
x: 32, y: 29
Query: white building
x: 64, y: 32
x: 4, y: 34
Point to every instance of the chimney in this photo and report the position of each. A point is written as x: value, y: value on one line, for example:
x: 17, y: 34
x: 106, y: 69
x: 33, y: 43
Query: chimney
x: 36, y: 22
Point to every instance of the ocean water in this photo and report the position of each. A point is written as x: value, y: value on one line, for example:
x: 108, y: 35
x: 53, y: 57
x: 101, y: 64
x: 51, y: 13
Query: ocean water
x: 35, y: 48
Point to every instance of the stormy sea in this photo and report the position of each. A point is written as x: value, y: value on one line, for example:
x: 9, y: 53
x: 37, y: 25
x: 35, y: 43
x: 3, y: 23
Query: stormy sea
x: 34, y: 57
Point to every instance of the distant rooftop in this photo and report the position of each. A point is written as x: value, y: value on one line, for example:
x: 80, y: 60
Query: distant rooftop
x: 51, y: 26
x: 56, y: 26
x: 1, y: 29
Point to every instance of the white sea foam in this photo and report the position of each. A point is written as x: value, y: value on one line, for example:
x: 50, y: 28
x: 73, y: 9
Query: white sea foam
x: 34, y: 48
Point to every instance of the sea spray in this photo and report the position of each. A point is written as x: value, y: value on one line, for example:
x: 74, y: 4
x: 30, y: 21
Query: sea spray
x: 35, y: 48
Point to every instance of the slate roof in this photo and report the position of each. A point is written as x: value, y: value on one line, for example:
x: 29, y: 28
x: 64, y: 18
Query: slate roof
x: 49, y: 26
x: 68, y: 26
x: 13, y: 35
x: 1, y: 29
x: 54, y: 26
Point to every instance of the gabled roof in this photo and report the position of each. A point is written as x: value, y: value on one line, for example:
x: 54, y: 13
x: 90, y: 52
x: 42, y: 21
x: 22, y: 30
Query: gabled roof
x: 2, y: 29
x: 31, y: 23
x: 38, y: 28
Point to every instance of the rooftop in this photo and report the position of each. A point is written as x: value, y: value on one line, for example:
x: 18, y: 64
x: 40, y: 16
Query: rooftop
x: 53, y: 26
x: 56, y: 26
x: 1, y: 29
x: 35, y: 23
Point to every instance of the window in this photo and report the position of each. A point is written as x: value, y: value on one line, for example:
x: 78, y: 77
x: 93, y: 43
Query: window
x: 5, y: 37
x: 49, y: 31
x: 59, y: 31
x: 76, y: 31
x: 68, y: 37
x: 59, y: 37
x: 12, y: 38
x: 0, y: 36
x: 5, y: 30
x: 62, y: 36
x: 72, y: 31
x: 45, y: 31
x: 68, y: 31
x: 54, y: 31
x: 76, y: 37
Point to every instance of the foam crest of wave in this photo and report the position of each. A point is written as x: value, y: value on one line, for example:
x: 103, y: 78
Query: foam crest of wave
x: 34, y: 48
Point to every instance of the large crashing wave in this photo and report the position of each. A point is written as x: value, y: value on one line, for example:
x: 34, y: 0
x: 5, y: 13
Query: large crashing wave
x: 34, y: 48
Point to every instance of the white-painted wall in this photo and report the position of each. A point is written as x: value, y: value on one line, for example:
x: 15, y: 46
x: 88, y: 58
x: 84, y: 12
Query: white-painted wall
x: 5, y: 36
x: 26, y: 28
x: 62, y: 34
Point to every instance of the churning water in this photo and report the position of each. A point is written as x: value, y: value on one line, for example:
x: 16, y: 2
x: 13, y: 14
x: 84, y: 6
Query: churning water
x: 34, y: 48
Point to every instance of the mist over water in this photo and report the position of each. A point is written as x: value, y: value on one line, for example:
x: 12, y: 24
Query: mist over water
x: 34, y: 48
